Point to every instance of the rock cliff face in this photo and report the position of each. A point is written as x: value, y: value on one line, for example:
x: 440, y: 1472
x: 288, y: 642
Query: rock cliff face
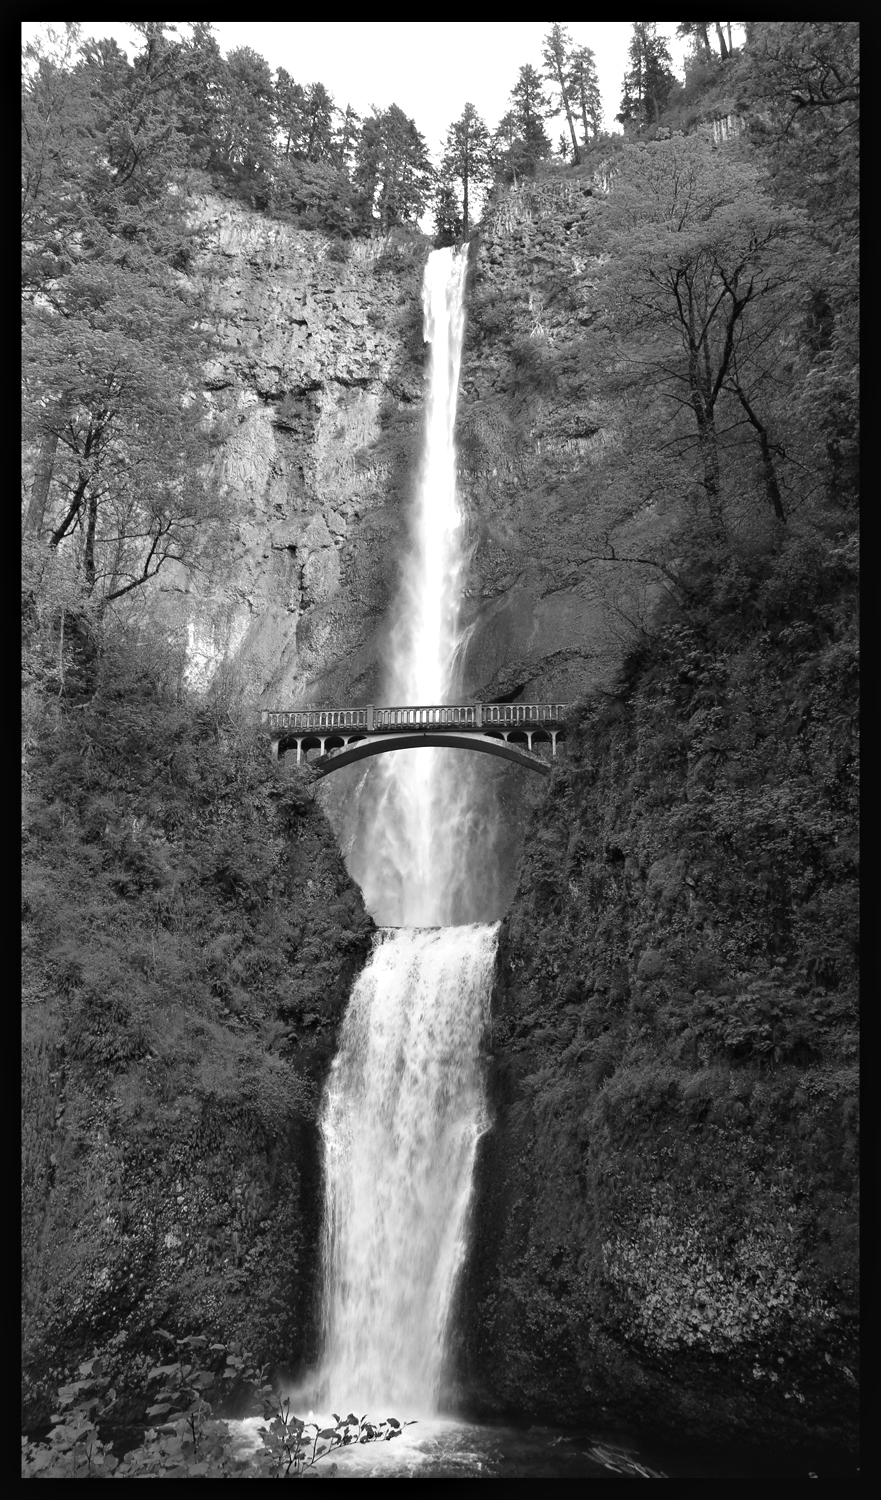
x: 318, y: 378
x: 318, y: 383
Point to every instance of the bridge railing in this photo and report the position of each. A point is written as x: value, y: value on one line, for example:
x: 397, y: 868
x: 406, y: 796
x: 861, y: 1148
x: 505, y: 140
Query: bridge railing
x: 302, y: 720
x: 505, y: 714
x: 474, y: 716
x: 446, y: 715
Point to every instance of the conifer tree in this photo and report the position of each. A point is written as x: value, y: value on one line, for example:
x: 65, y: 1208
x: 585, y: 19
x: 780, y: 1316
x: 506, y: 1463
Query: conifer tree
x: 346, y: 137
x: 447, y: 218
x: 392, y: 167
x: 247, y: 112
x: 290, y: 114
x: 466, y: 158
x: 585, y: 91
x: 319, y: 111
x: 520, y: 139
x: 557, y: 55
x: 697, y: 31
x: 649, y: 79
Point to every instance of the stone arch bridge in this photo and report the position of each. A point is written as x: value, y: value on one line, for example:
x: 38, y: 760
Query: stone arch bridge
x: 345, y: 735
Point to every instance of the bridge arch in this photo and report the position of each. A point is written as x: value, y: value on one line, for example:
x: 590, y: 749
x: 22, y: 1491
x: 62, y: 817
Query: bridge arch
x: 368, y: 745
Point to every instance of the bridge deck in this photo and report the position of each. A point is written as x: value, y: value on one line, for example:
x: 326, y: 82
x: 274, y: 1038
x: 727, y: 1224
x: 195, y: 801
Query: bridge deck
x: 462, y: 717
x: 345, y: 735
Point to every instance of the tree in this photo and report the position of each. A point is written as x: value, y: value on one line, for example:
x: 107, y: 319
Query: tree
x: 585, y: 91
x: 557, y: 54
x: 319, y: 111
x: 247, y: 121
x: 649, y: 79
x: 803, y: 80
x: 113, y: 343
x: 392, y: 167
x: 697, y: 31
x: 112, y: 385
x: 346, y: 138
x: 290, y: 115
x: 520, y: 139
x: 447, y: 217
x: 466, y: 157
x: 703, y: 278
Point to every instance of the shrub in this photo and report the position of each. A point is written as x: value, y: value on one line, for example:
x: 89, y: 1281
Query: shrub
x: 189, y: 1442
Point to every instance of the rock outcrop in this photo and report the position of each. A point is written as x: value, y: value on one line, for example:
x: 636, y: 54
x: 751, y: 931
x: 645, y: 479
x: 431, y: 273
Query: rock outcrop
x: 317, y: 383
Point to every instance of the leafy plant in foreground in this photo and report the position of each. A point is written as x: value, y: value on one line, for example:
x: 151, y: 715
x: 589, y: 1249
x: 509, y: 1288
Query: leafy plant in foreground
x: 287, y: 1441
x: 191, y: 1443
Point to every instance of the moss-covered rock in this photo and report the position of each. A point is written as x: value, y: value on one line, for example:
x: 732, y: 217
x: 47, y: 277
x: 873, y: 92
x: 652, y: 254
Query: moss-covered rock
x: 190, y: 940
x: 666, y: 1221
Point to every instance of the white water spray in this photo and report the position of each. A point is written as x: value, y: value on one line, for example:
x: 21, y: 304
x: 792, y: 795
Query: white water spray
x: 404, y: 1105
x: 403, y: 1114
x: 415, y: 804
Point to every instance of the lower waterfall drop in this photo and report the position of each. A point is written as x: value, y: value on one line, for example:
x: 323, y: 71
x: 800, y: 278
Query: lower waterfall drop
x: 403, y: 1112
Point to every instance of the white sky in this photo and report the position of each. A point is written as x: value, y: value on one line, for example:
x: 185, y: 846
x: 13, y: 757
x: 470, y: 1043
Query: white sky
x: 429, y: 68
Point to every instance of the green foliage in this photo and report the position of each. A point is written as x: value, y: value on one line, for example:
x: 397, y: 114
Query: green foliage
x: 190, y: 1442
x: 392, y: 167
x: 114, y: 333
x: 467, y: 160
x: 520, y: 140
x: 190, y: 937
x: 649, y: 79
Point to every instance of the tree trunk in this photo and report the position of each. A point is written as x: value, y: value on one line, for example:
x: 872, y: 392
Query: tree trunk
x: 564, y: 98
x: 704, y: 36
x: 465, y: 204
x: 89, y: 553
x: 722, y: 47
x: 769, y: 473
x: 40, y: 488
x: 702, y: 406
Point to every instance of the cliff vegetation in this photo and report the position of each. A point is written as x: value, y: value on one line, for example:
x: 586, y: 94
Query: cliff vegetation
x: 190, y: 937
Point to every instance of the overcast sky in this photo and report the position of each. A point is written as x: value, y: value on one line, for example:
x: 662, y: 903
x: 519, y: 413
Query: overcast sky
x: 429, y: 68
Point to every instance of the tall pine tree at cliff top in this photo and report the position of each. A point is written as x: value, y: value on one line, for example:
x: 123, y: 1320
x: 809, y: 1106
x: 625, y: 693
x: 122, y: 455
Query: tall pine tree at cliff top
x: 466, y: 158
x: 520, y: 139
x: 649, y: 79
x: 584, y: 87
x: 557, y: 55
x: 392, y: 167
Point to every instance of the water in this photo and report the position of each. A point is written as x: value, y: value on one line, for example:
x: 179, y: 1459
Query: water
x: 444, y: 1448
x: 402, y: 1116
x: 404, y: 1106
x: 416, y: 809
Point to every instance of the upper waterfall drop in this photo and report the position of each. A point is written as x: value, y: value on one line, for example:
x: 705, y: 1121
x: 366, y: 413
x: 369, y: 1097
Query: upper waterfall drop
x: 416, y: 807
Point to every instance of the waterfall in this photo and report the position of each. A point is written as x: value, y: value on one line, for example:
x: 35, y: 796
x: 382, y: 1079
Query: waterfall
x: 415, y: 808
x: 403, y: 1113
x: 403, y: 1108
